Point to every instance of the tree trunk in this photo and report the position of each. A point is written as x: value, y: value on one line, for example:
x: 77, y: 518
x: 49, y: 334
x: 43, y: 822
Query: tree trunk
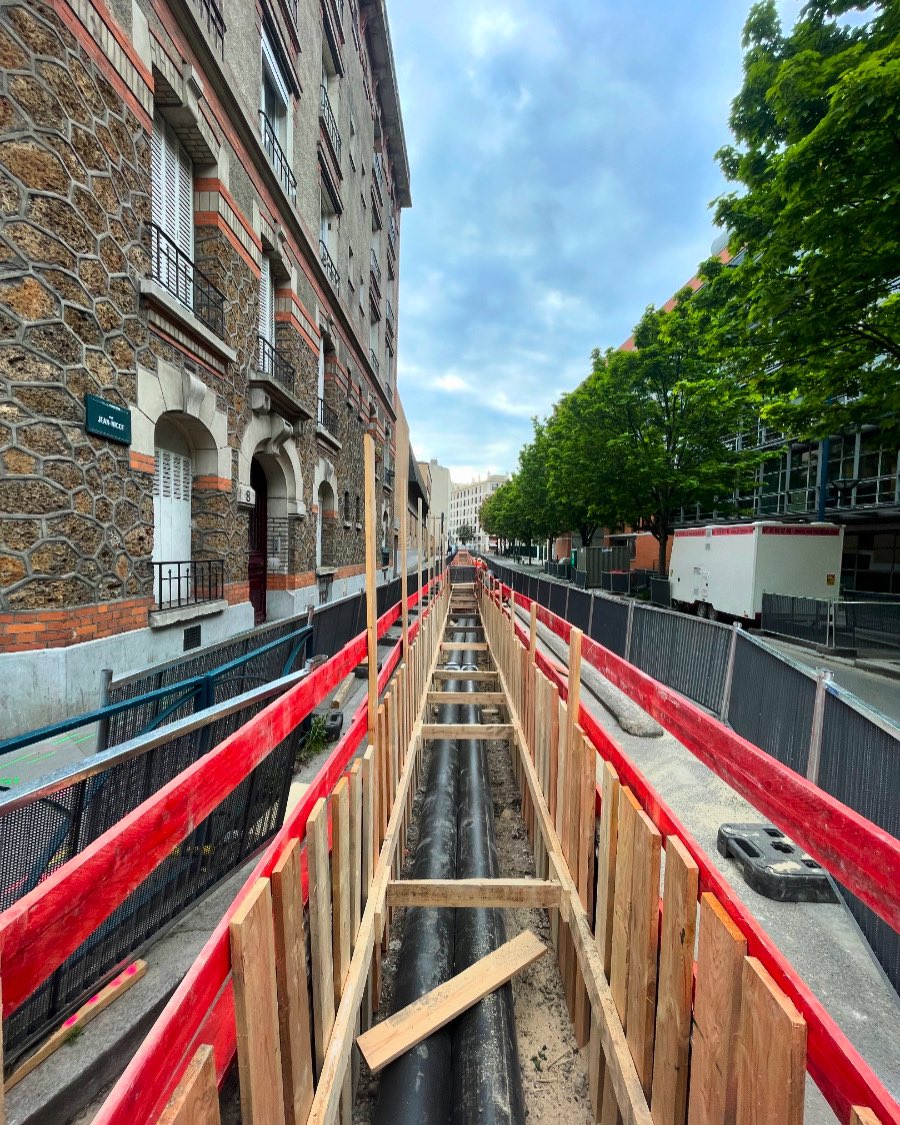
x: 663, y: 543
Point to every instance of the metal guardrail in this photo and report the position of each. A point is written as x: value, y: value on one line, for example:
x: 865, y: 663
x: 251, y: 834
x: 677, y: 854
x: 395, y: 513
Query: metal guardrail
x: 870, y: 625
x: 215, y: 22
x: 328, y: 417
x: 328, y: 263
x: 326, y: 113
x: 278, y: 156
x: 189, y: 582
x: 374, y: 358
x: 274, y: 365
x: 175, y: 272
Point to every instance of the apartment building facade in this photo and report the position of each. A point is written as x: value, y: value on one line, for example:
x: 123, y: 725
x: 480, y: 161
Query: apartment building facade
x: 200, y: 206
x: 465, y: 506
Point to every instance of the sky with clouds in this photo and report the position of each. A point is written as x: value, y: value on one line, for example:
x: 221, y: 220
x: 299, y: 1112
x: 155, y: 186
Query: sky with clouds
x: 562, y: 163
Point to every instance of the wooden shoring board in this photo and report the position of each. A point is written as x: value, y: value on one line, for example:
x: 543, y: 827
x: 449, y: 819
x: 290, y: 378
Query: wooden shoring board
x: 293, y: 995
x: 252, y: 934
x: 623, y: 1077
x: 195, y: 1100
x: 414, y: 1023
x: 337, y: 1055
x: 75, y: 1023
x: 640, y: 1022
x: 320, y: 926
x: 485, y: 675
x: 468, y: 646
x: 770, y: 1060
x: 474, y: 892
x: 470, y: 731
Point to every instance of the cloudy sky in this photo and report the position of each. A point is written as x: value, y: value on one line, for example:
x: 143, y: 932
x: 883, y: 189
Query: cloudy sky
x: 562, y: 164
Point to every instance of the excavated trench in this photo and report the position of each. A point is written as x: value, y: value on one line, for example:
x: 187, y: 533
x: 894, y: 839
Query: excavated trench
x: 475, y: 1069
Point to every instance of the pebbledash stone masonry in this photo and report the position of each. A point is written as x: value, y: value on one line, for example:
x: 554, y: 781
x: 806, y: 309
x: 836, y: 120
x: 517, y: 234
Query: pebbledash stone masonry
x: 199, y: 223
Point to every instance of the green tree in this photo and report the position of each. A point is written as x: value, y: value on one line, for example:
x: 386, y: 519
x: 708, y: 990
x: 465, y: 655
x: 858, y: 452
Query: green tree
x: 538, y: 519
x: 817, y: 214
x: 465, y: 533
x: 503, y: 514
x: 663, y: 411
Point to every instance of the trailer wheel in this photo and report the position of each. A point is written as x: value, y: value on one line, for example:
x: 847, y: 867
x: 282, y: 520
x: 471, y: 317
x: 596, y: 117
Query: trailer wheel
x: 702, y: 608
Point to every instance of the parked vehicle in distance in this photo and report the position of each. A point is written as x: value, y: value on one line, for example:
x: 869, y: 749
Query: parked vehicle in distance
x: 723, y: 571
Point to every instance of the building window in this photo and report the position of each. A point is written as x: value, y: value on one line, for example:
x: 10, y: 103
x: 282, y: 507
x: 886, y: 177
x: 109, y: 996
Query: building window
x: 274, y: 115
x: 172, y: 184
x: 266, y: 302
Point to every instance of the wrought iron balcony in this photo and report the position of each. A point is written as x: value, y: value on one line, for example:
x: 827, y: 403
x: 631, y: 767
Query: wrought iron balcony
x: 328, y: 417
x: 389, y: 312
x: 330, y: 268
x: 326, y: 115
x: 392, y: 235
x: 211, y: 10
x: 278, y: 156
x: 176, y: 273
x: 190, y: 582
x: 389, y: 478
x: 274, y: 365
x: 375, y: 273
x: 374, y: 358
x: 378, y: 176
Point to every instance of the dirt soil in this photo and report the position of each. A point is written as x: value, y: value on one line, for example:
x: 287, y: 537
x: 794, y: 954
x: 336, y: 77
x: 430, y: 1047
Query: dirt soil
x: 554, y: 1074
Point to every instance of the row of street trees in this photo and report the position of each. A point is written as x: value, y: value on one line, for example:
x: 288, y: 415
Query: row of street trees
x: 801, y: 329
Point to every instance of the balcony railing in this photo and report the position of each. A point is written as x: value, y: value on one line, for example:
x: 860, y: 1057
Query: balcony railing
x: 389, y: 478
x: 175, y: 272
x: 274, y: 365
x: 374, y: 358
x: 278, y: 156
x: 326, y: 113
x: 389, y: 312
x: 330, y: 268
x: 215, y: 23
x: 187, y: 583
x: 378, y: 176
x: 392, y: 235
x: 375, y: 273
x: 328, y: 417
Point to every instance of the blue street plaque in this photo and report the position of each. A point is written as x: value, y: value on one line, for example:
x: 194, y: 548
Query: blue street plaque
x: 106, y: 420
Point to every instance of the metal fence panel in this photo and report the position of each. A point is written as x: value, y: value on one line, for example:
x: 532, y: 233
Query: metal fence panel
x: 579, y: 609
x: 771, y: 703
x: 558, y: 594
x: 683, y: 652
x: 870, y: 626
x: 883, y: 939
x: 609, y: 623
x: 660, y: 592
x: 804, y: 618
x: 543, y: 592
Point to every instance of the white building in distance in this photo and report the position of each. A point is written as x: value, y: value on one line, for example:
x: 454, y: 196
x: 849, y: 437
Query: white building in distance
x: 465, y: 506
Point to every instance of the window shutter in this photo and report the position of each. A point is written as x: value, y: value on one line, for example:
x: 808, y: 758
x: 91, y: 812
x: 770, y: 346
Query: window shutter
x: 266, y: 318
x: 185, y: 202
x: 157, y: 148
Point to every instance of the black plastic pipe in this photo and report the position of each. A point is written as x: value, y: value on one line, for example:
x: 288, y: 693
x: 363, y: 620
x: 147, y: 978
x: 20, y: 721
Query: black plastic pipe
x: 416, y: 1088
x: 487, y: 1080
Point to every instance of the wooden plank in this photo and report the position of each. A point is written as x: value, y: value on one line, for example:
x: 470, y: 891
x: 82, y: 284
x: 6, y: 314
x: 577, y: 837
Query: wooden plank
x: 408, y: 1027
x: 717, y: 1000
x: 320, y: 927
x: 629, y: 809
x: 606, y: 863
x: 474, y: 892
x: 339, y: 803
x: 485, y: 675
x: 356, y: 847
x: 77, y: 1022
x: 496, y: 698
x: 290, y: 977
x: 370, y: 850
x: 468, y: 646
x: 640, y: 1021
x: 859, y: 1115
x: 668, y: 1104
x: 771, y: 1053
x: 196, y: 1098
x: 371, y: 524
x: 256, y: 1008
x: 468, y: 730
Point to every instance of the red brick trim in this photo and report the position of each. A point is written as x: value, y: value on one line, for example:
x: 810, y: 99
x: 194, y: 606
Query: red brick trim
x: 290, y: 581
x: 237, y: 592
x: 141, y: 462
x: 214, y: 219
x: 216, y: 185
x: 33, y: 629
x: 350, y: 571
x: 213, y: 484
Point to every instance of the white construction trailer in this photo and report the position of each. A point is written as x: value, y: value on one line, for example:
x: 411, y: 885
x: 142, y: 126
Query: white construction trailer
x: 723, y: 571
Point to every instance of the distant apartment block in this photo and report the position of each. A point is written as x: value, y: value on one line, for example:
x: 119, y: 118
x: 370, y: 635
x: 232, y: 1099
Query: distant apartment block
x: 465, y: 506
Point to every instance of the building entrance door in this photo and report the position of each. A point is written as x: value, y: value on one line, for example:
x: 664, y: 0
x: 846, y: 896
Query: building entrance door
x: 256, y: 563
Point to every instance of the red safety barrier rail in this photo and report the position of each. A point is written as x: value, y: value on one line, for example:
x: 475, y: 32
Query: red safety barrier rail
x: 43, y: 928
x: 867, y: 862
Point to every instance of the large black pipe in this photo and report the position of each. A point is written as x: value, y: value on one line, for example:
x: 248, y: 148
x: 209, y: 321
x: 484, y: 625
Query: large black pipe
x: 487, y: 1080
x: 415, y: 1089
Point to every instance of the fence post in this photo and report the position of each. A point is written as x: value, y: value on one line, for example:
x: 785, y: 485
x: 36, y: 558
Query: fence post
x: 590, y: 622
x: 106, y: 675
x: 729, y: 673
x: 813, y: 758
x: 628, y: 629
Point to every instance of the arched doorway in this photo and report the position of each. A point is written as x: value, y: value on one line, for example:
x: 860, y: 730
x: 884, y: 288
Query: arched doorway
x: 325, y: 520
x: 257, y: 544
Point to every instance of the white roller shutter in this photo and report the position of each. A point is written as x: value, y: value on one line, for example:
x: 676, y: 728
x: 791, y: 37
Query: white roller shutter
x: 266, y: 301
x: 173, y: 209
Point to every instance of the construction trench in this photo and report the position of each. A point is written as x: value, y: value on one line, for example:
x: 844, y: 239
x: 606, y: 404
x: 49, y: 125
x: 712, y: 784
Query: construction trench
x: 477, y: 913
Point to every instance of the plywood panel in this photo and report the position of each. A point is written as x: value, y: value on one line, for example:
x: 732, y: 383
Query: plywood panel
x: 196, y: 1099
x: 644, y: 938
x: 320, y: 926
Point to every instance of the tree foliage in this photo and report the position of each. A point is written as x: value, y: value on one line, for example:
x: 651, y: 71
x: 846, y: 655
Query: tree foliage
x: 816, y: 161
x: 465, y: 533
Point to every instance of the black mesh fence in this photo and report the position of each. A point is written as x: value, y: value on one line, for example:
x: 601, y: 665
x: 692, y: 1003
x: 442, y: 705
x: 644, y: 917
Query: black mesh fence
x: 660, y: 591
x: 609, y: 623
x: 558, y: 596
x: 579, y: 609
x: 868, y: 626
x: 683, y: 652
x: 771, y: 703
x: 804, y: 618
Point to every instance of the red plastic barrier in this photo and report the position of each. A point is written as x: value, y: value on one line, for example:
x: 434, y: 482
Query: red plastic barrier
x: 837, y: 1068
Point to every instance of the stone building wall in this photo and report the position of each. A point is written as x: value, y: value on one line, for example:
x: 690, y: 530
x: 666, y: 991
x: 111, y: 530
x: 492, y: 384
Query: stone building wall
x: 76, y: 522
